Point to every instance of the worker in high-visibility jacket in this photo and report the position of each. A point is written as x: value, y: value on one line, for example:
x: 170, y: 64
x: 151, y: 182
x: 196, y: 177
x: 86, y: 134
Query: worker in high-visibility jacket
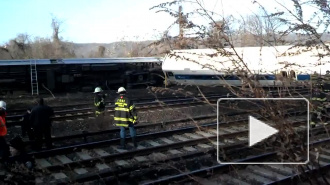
x: 319, y: 110
x: 4, y: 147
x: 125, y: 116
x: 99, y: 101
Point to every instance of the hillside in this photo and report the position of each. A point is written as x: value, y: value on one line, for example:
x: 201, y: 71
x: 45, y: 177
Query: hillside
x: 48, y: 49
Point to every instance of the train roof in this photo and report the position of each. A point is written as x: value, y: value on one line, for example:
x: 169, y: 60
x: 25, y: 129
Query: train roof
x: 82, y: 61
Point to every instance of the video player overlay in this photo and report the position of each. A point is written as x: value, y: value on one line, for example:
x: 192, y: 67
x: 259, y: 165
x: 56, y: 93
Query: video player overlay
x: 256, y: 126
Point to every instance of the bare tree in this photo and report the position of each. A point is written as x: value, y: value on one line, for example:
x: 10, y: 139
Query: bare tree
x: 262, y: 29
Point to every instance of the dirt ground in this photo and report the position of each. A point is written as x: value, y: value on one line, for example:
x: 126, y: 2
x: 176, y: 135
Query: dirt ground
x: 91, y: 124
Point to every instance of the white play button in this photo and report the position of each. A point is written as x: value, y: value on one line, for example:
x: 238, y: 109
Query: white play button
x: 259, y: 131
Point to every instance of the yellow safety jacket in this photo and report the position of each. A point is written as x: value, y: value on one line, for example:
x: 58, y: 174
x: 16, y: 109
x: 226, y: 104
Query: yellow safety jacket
x: 125, y: 113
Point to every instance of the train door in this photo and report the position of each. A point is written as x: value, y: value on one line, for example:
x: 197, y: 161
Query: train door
x: 293, y: 75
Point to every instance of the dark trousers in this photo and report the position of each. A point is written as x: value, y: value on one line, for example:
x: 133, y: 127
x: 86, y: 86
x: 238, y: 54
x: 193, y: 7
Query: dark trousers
x: 40, y: 133
x: 4, y: 149
x: 29, y: 131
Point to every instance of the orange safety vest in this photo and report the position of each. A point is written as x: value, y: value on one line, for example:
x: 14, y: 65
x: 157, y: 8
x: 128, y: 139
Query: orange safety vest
x: 3, y: 128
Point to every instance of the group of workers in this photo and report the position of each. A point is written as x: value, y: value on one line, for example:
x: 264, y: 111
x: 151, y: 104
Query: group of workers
x: 125, y: 114
x: 36, y: 122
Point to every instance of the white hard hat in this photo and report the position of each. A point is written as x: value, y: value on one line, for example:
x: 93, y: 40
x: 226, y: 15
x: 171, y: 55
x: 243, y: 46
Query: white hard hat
x: 121, y: 89
x: 3, y: 105
x: 97, y: 89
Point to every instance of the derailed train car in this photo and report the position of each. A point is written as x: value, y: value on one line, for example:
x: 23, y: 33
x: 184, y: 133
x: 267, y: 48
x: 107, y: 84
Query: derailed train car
x: 62, y: 75
x: 266, y: 66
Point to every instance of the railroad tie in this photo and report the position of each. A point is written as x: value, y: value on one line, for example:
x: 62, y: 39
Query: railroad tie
x: 43, y: 163
x: 214, y: 131
x: 179, y: 137
x: 102, y: 167
x: 60, y: 177
x: 39, y: 181
x: 118, y: 150
x: 322, y: 157
x: 101, y: 152
x: 193, y: 136
x: 266, y: 173
x: 281, y: 169
x: 141, y: 159
x: 63, y: 159
x: 205, y: 134
x: 80, y: 171
x: 220, y: 143
x: 174, y: 152
x: 153, y: 143
x: 242, y: 138
x: 228, y: 130
x: 122, y: 163
x: 231, y: 180
x: 157, y: 156
x: 204, y: 146
x: 83, y: 155
x: 190, y: 149
x: 325, y: 151
x: 167, y: 140
x: 253, y: 177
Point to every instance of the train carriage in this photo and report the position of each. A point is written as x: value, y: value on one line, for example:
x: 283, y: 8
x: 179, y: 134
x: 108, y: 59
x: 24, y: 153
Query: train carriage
x: 207, y: 67
x: 266, y: 66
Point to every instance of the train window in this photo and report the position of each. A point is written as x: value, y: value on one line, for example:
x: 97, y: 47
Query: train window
x: 284, y: 73
x: 169, y: 73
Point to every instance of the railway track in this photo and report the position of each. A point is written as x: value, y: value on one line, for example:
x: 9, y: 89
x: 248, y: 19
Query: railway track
x: 146, y: 127
x: 90, y: 161
x: 82, y: 165
x: 314, y: 172
x: 75, y: 113
x: 188, y: 166
x: 78, y: 113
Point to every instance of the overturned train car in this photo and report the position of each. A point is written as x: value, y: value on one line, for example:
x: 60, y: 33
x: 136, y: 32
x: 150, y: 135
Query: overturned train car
x: 266, y: 66
x: 63, y: 75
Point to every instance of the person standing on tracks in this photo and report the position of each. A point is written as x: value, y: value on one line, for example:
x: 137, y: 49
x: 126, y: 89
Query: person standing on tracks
x: 27, y: 126
x: 99, y: 101
x: 4, y: 147
x: 40, y: 118
x: 125, y: 116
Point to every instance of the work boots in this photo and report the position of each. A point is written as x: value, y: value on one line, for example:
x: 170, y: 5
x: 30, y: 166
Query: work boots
x: 134, y: 142
x: 122, y: 144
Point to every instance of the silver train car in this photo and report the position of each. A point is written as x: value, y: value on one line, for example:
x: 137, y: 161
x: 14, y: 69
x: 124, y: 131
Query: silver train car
x: 266, y: 66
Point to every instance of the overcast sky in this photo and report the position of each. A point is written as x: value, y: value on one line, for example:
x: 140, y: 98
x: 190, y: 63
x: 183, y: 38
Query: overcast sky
x: 101, y: 21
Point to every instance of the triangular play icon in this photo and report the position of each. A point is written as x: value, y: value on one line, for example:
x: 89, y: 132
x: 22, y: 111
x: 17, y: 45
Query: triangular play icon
x: 259, y: 131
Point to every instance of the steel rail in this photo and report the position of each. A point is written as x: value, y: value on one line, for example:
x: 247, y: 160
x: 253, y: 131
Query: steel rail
x: 14, y: 123
x: 9, y: 117
x: 66, y: 149
x: 141, y: 126
x: 140, y: 100
x: 155, y: 101
x: 204, y: 171
x: 149, y: 150
x: 203, y: 152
